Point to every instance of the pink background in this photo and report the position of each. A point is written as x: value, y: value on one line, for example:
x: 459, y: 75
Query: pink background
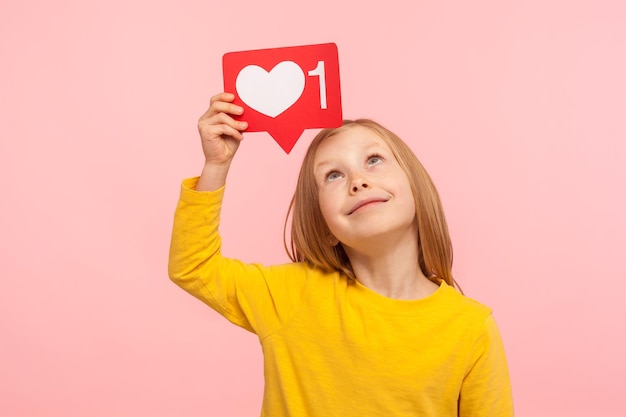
x: 516, y: 108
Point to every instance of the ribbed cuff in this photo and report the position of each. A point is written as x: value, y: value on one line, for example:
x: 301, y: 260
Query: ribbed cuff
x: 189, y: 194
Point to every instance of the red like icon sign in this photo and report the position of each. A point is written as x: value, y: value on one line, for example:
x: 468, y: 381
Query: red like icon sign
x: 286, y: 90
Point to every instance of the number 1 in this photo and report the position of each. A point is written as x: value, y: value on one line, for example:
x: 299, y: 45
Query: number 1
x: 319, y: 71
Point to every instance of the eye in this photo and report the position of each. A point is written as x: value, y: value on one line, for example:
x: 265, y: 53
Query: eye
x: 374, y: 160
x: 332, y: 176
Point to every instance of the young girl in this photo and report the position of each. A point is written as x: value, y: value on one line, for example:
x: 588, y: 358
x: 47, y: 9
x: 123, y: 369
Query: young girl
x: 366, y: 321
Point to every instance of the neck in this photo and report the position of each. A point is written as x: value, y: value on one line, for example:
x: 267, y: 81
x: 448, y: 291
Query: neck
x: 391, y: 270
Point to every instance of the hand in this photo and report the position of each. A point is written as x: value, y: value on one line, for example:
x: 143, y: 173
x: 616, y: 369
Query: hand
x: 219, y: 132
x: 221, y: 136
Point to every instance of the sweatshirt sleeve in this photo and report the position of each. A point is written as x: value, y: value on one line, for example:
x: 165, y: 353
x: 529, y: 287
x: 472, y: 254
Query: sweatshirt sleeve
x: 252, y: 296
x: 486, y: 388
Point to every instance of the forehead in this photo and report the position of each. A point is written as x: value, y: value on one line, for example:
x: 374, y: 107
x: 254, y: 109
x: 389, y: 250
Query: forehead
x: 352, y: 139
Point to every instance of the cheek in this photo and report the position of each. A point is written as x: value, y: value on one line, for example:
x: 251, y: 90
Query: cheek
x: 325, y: 205
x: 328, y: 209
x: 407, y: 197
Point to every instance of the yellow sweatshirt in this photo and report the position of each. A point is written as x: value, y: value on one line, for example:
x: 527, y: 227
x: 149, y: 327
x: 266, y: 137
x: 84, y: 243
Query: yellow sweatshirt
x: 334, y: 348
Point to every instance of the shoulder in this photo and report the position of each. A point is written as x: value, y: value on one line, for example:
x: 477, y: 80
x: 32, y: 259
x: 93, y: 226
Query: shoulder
x: 463, y: 308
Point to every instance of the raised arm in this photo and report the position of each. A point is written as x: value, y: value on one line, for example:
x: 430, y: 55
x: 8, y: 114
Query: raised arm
x: 195, y: 262
x: 221, y: 136
x: 250, y: 295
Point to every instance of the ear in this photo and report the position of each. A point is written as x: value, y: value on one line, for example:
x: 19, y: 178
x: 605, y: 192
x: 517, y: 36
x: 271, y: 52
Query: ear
x: 332, y: 240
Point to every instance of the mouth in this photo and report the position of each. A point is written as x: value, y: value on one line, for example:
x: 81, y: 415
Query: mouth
x: 366, y: 202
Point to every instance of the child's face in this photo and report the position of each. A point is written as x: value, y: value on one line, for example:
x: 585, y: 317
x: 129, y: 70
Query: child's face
x: 363, y: 192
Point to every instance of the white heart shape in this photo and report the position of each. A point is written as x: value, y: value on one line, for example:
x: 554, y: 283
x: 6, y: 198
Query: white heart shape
x: 270, y: 93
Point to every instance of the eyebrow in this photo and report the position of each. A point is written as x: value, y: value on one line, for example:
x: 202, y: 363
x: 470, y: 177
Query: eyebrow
x: 328, y: 162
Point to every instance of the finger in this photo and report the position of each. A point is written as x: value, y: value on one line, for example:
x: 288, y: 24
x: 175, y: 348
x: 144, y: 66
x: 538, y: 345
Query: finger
x: 221, y: 102
x: 205, y: 125
x: 221, y: 131
x: 222, y: 107
x: 227, y: 97
x: 222, y: 118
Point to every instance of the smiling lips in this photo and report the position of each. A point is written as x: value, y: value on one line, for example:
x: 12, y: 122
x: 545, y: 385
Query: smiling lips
x: 366, y: 202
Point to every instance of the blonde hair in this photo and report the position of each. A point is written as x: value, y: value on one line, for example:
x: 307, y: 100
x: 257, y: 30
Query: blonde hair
x: 310, y: 235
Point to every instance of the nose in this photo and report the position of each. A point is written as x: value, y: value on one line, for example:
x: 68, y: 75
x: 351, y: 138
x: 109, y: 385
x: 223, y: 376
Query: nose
x: 359, y: 183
